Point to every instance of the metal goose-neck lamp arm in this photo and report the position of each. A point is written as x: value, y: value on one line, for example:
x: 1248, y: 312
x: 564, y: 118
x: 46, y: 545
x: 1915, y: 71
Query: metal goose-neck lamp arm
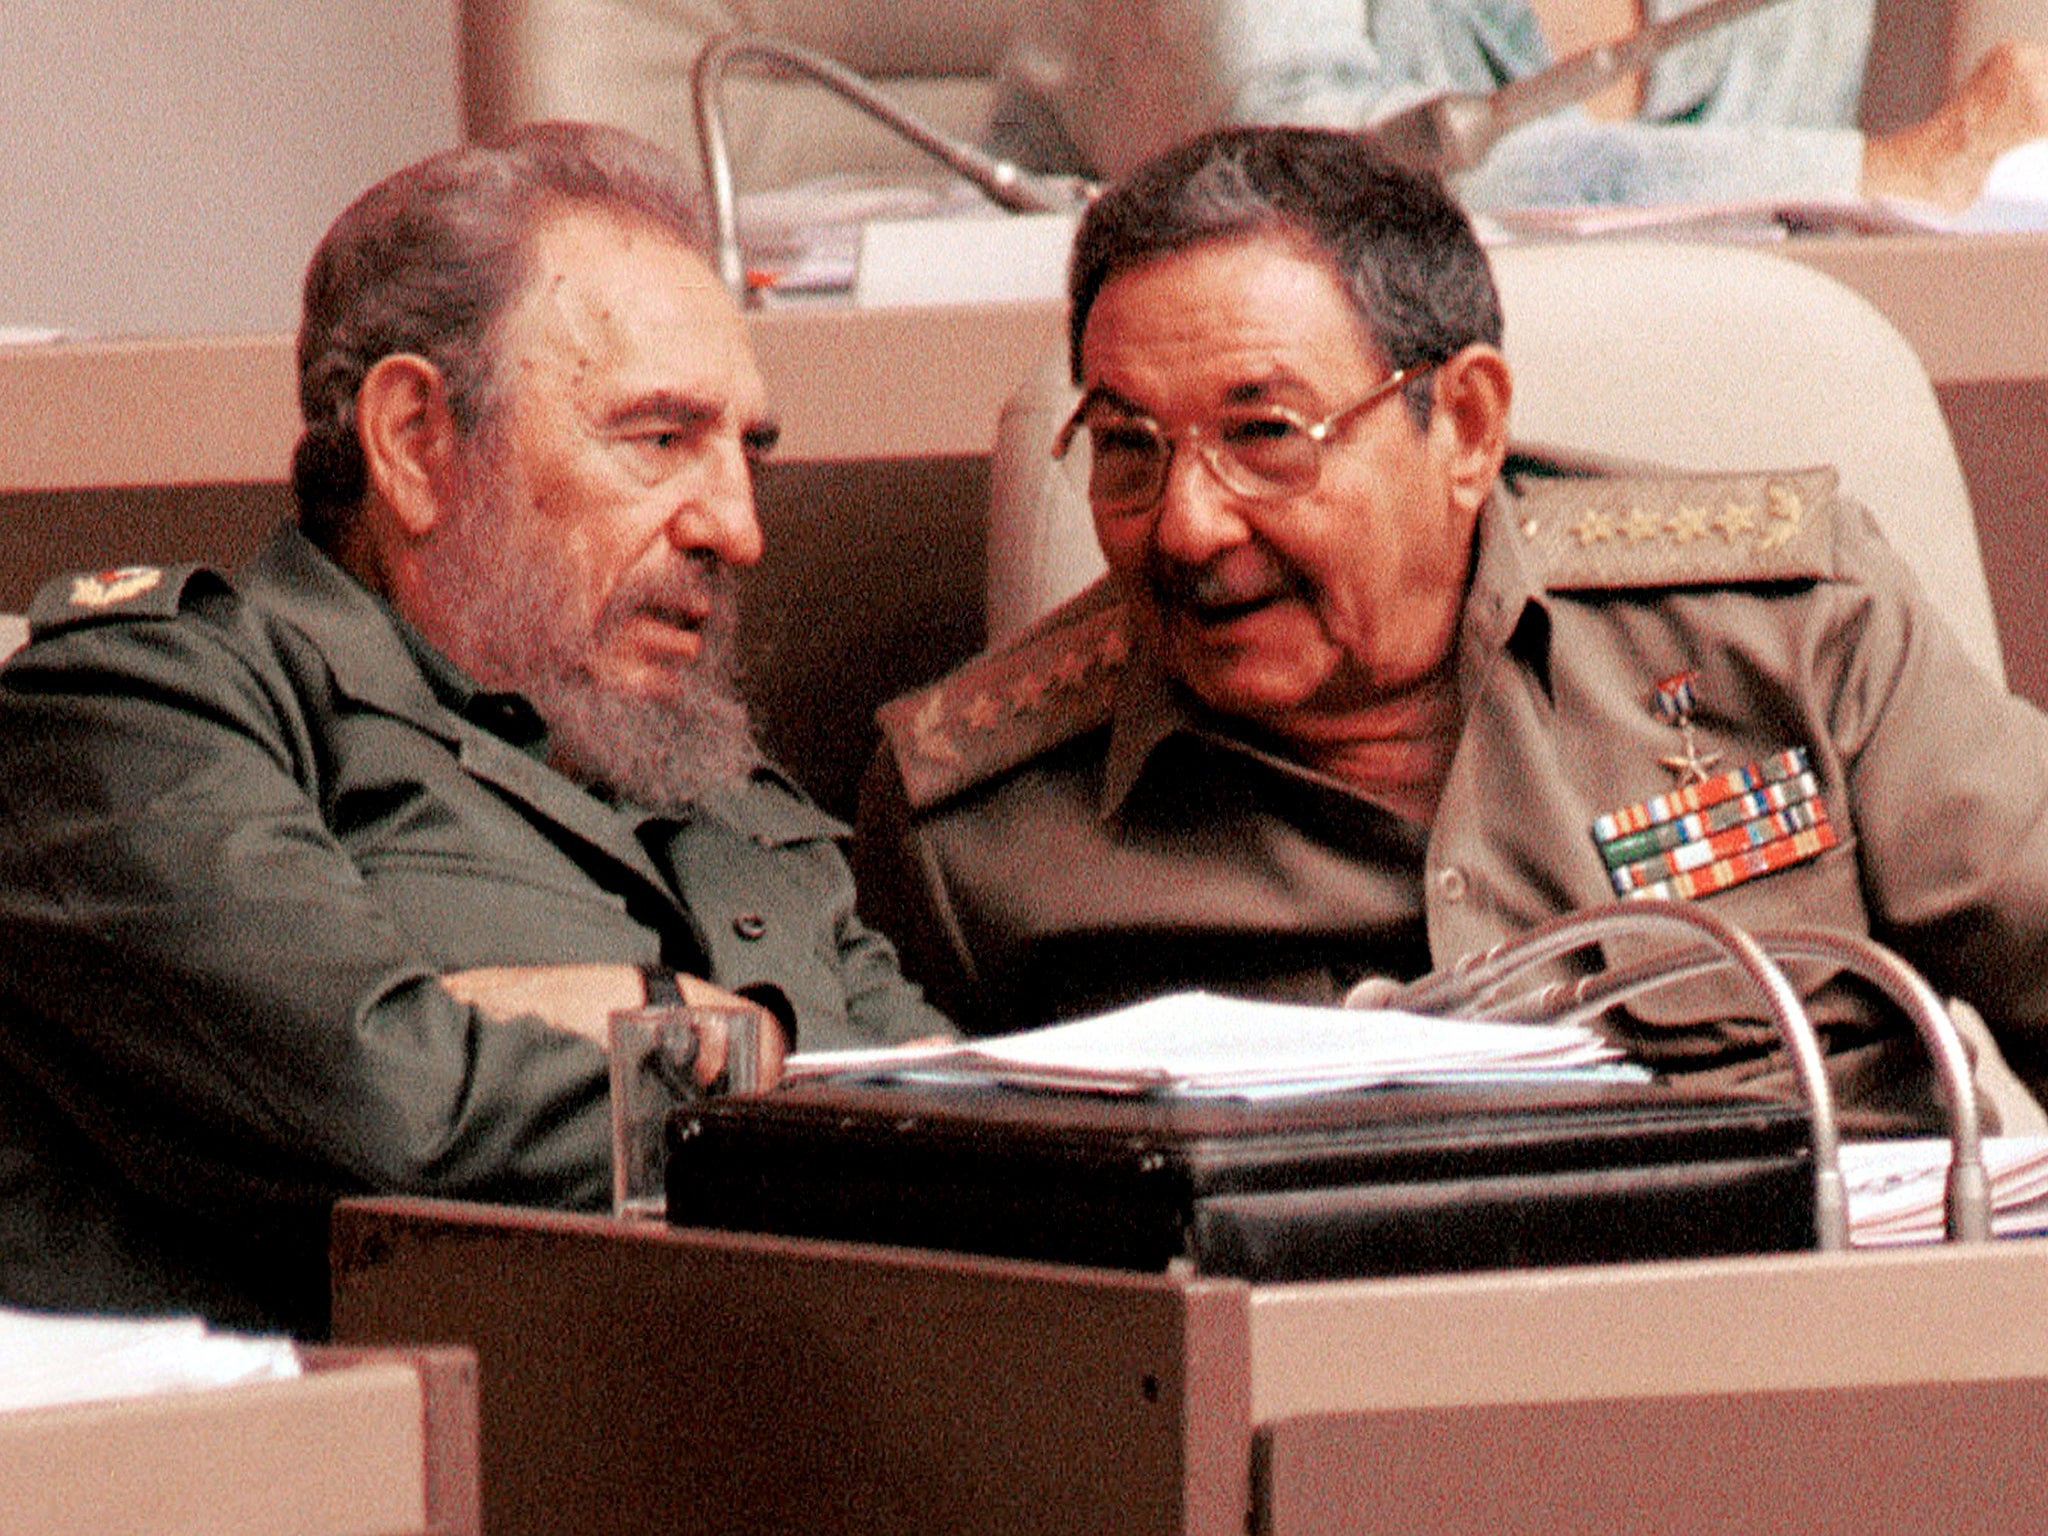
x: 1007, y: 185
x: 1969, y: 1204
x: 1476, y: 981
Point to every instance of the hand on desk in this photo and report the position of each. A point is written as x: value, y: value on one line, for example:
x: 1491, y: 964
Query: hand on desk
x: 582, y: 998
x: 1945, y: 158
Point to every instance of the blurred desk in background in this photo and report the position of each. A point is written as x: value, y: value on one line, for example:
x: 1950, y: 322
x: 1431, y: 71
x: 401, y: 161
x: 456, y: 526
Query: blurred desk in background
x: 166, y: 450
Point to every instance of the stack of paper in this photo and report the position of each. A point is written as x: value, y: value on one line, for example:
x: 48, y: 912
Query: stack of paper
x: 1196, y: 1043
x: 47, y: 1359
x: 1897, y: 1188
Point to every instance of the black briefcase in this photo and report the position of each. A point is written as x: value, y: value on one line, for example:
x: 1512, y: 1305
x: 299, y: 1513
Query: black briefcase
x: 1387, y: 1181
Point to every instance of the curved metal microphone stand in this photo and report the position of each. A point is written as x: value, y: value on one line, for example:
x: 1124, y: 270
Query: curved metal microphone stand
x: 1007, y: 185
x: 1969, y: 1202
x: 1476, y: 982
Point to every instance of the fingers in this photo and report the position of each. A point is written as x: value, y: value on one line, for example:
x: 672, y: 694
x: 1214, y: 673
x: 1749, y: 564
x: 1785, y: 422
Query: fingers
x: 1944, y: 160
x: 720, y: 1068
x: 2005, y: 99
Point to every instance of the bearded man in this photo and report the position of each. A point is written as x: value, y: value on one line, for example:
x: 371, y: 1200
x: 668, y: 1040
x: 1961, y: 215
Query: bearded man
x: 324, y: 878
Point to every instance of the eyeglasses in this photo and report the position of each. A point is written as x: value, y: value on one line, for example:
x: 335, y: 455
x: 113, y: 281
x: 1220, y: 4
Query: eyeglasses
x: 1263, y: 453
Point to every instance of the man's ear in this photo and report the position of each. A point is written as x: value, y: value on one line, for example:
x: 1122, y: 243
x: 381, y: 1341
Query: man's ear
x: 407, y: 436
x: 1470, y: 425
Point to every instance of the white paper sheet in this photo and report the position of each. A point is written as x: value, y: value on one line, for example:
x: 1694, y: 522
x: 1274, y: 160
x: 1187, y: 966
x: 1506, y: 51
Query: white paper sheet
x: 1199, y: 1043
x: 49, y: 1359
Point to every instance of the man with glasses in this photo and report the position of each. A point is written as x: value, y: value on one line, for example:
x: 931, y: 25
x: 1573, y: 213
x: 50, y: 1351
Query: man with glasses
x: 1364, y: 692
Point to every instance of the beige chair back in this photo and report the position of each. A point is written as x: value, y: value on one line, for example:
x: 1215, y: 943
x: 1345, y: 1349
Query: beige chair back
x: 13, y: 634
x: 1710, y: 357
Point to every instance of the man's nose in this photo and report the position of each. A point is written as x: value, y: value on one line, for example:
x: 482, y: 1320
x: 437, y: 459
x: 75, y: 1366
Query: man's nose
x: 718, y: 517
x: 1197, y: 516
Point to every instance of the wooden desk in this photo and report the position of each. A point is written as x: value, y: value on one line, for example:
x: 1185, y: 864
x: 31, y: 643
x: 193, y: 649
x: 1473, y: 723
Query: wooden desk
x: 852, y: 385
x: 637, y: 1378
x: 369, y: 1442
x: 121, y: 452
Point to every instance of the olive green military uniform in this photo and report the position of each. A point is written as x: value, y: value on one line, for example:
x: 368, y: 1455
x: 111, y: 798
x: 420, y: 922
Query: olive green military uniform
x: 1054, y: 829
x: 242, y: 827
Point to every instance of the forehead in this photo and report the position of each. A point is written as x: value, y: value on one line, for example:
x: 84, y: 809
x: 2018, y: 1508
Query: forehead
x: 617, y: 305
x: 1227, y: 315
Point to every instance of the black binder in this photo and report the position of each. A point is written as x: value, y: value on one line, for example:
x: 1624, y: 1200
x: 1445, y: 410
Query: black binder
x: 1390, y: 1181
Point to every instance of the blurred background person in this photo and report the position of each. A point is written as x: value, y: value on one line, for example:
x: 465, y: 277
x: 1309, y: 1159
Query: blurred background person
x: 1765, y: 107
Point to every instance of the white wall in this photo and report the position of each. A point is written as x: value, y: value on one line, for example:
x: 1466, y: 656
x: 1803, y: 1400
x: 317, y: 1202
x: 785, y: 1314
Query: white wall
x: 166, y: 165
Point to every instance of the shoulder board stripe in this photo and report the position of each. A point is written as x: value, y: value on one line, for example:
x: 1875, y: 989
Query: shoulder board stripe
x: 1055, y: 683
x: 1607, y: 534
x: 124, y: 592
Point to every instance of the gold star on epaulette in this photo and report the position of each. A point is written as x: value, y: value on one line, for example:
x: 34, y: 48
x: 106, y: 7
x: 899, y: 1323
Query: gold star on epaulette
x: 928, y: 733
x: 1593, y: 527
x: 1026, y: 693
x: 1639, y: 525
x: 1736, y: 519
x: 982, y: 712
x: 1787, y: 513
x: 1069, y: 669
x: 1687, y: 524
x: 107, y: 588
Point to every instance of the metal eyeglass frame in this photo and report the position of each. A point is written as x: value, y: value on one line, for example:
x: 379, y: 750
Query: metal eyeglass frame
x: 1215, y: 454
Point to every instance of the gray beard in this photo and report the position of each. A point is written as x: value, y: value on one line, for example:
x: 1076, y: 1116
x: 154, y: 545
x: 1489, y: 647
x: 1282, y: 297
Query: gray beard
x: 511, y: 600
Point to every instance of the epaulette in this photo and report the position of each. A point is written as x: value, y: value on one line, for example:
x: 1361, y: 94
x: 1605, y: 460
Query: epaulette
x: 1053, y: 683
x: 94, y: 597
x: 1677, y: 530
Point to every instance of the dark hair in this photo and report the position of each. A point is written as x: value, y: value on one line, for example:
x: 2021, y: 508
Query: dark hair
x: 429, y: 259
x: 1403, y: 250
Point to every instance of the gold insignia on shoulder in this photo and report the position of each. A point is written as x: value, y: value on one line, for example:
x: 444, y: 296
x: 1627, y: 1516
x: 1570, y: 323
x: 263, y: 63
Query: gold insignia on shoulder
x: 928, y: 733
x: 1027, y: 692
x: 1787, y: 512
x: 982, y: 712
x: 1736, y: 519
x: 1593, y: 527
x: 106, y: 588
x: 1687, y: 524
x: 1051, y: 684
x: 1639, y: 525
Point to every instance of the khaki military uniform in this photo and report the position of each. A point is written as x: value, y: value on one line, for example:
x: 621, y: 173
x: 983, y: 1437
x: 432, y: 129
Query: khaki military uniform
x: 1054, y: 829
x: 242, y: 827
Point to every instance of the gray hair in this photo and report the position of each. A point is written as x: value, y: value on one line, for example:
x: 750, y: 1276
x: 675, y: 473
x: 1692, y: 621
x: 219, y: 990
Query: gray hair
x: 1402, y: 249
x: 427, y: 262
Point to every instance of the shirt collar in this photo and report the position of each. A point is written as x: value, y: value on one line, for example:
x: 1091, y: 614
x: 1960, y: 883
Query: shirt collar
x: 1146, y: 709
x: 505, y: 714
x: 1507, y: 584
